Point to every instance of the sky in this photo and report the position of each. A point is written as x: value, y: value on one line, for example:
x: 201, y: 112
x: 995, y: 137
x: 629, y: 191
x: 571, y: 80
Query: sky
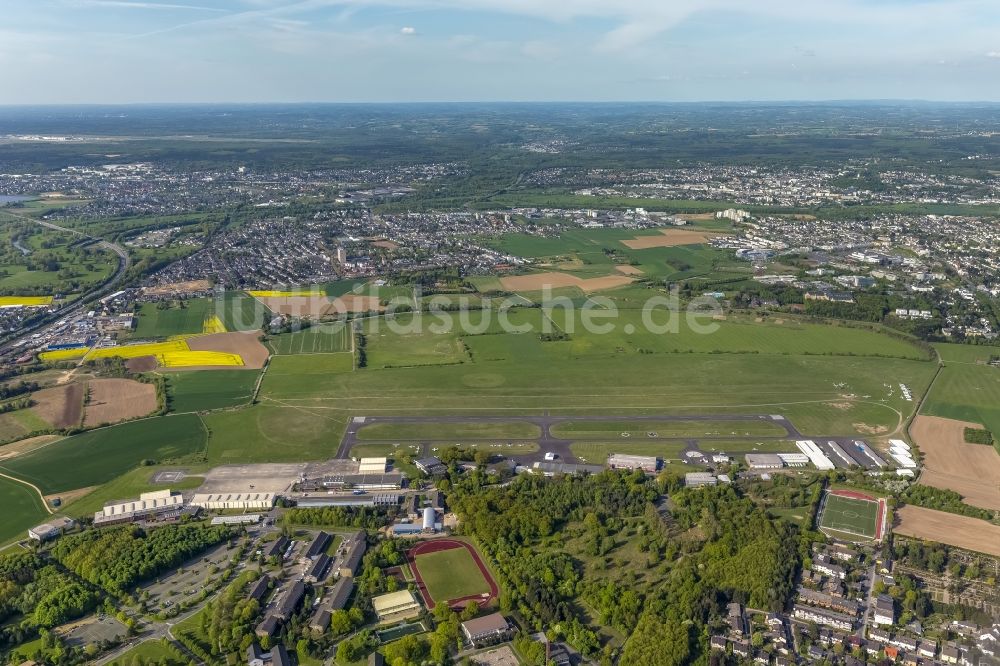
x: 143, y: 51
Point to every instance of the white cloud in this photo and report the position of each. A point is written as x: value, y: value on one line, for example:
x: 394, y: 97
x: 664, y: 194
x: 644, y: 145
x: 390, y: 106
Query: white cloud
x: 993, y: 54
x: 408, y: 30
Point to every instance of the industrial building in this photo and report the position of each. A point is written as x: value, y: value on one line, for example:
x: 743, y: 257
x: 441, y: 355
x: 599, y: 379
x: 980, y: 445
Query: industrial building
x: 148, y: 505
x: 764, y: 461
x: 361, y: 481
x: 395, y: 605
x: 699, y: 479
x: 234, y: 500
x: 487, y: 630
x: 431, y: 466
x: 794, y: 459
x: 245, y: 519
x: 51, y: 530
x: 557, y: 468
x: 815, y: 454
x: 371, y: 500
x: 648, y: 464
x: 429, y: 520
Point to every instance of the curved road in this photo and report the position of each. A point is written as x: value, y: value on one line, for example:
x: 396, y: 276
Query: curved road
x: 124, y: 262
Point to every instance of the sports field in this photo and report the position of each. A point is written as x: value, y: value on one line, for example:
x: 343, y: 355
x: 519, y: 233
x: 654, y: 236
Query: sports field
x: 852, y: 516
x: 452, y: 572
x: 317, y: 339
x: 98, y: 456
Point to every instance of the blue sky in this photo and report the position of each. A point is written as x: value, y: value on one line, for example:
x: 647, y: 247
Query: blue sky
x: 119, y: 51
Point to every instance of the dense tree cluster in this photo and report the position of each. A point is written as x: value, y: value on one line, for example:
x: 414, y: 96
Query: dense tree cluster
x: 339, y: 516
x: 227, y: 622
x: 37, y: 594
x: 119, y: 558
x: 944, y: 500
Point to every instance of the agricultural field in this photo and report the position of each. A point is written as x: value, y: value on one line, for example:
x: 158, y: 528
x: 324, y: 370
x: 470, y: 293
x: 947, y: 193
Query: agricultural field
x: 308, y: 373
x: 850, y: 516
x: 240, y: 312
x: 203, y: 390
x: 168, y: 318
x: 446, y: 431
x: 23, y: 509
x: 98, y: 456
x: 317, y: 339
x: 959, y: 531
x: 113, y: 400
x: 17, y: 424
x: 949, y: 461
x: 691, y: 429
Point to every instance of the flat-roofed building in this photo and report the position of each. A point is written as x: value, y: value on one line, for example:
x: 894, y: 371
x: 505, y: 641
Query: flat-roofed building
x: 794, y: 459
x: 764, y: 461
x: 487, y: 630
x: 148, y: 504
x: 51, y: 530
x: 372, y: 465
x: 431, y: 466
x: 625, y: 461
x: 815, y: 454
x: 699, y: 479
x: 234, y: 500
x: 557, y: 468
x: 395, y: 605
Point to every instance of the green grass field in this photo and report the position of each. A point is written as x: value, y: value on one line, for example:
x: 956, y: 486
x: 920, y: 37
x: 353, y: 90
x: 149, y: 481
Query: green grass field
x: 317, y: 339
x: 240, y: 312
x: 181, y: 317
x: 22, y: 509
x: 451, y: 574
x: 850, y: 516
x: 98, y: 456
x: 388, y: 348
x: 127, y: 486
x: 305, y: 373
x: 595, y: 453
x: 967, y: 392
x: 641, y: 429
x: 200, y: 390
x: 158, y: 652
x: 273, y: 432
x: 444, y: 431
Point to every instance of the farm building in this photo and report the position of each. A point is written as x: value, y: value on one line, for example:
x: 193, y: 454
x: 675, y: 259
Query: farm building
x: 794, y: 459
x: 487, y: 630
x: 699, y: 479
x: 355, y: 547
x: 624, y: 461
x: 234, y: 500
x: 764, y: 461
x: 373, y: 465
x: 51, y: 530
x: 395, y: 605
x: 148, y: 504
x: 431, y: 466
x: 816, y: 455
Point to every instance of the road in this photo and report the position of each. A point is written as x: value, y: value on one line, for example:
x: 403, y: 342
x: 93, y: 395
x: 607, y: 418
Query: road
x: 124, y: 262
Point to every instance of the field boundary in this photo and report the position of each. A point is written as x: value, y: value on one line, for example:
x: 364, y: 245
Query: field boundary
x: 38, y: 490
x: 439, y: 545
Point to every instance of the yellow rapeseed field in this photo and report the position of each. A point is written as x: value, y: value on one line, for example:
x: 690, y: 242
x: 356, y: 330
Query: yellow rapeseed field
x: 180, y: 359
x: 145, y: 349
x: 213, y: 325
x: 24, y: 301
x: 63, y: 354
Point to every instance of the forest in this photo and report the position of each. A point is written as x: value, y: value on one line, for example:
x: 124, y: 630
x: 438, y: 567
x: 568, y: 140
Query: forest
x: 718, y: 546
x: 117, y: 559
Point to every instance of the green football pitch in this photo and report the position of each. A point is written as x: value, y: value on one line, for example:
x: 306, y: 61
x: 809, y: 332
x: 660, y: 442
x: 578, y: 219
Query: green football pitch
x: 851, y: 516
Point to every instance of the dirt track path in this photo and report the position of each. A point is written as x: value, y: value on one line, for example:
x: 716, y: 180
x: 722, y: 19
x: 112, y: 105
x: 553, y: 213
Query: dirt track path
x: 33, y: 487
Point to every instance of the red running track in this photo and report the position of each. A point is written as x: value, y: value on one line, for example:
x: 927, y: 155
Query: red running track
x: 436, y: 546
